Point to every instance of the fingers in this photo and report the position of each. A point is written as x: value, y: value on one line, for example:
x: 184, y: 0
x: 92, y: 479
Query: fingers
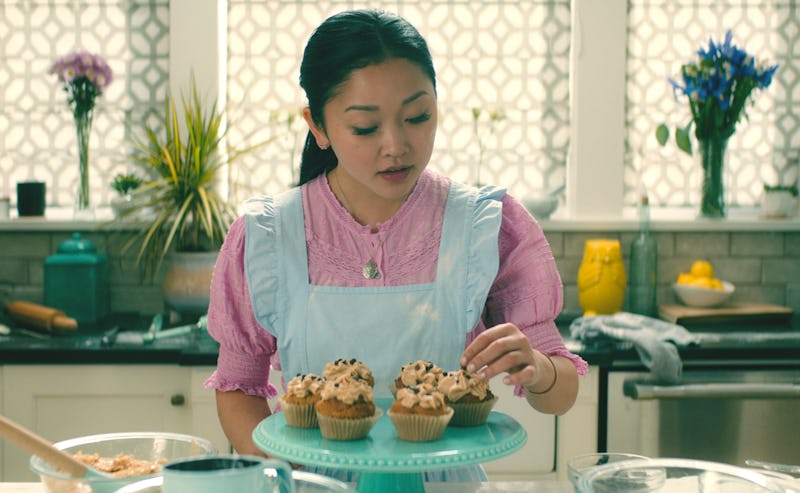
x: 484, y: 339
x: 501, y: 349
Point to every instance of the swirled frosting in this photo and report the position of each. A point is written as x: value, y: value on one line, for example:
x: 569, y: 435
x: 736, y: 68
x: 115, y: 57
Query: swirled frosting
x: 456, y: 384
x: 347, y: 367
x: 346, y: 389
x: 304, y: 385
x: 420, y: 372
x: 424, y: 395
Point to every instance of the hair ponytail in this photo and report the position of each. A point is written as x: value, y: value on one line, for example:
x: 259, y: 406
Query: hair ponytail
x: 315, y: 161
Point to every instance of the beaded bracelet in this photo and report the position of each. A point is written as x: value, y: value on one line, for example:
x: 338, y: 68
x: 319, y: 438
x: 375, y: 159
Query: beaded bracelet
x: 555, y: 378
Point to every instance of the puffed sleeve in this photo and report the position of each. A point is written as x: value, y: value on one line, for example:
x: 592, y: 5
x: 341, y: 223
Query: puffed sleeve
x: 482, y: 247
x: 527, y: 290
x: 246, y: 349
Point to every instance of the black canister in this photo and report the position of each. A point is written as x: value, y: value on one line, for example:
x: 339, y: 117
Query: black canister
x: 76, y: 281
x: 31, y: 198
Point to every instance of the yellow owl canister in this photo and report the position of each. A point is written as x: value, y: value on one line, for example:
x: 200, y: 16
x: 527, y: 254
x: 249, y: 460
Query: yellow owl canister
x: 601, y: 277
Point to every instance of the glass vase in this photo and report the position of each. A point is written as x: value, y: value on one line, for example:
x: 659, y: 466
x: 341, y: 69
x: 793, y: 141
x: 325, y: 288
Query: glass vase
x: 713, y: 157
x: 83, y: 127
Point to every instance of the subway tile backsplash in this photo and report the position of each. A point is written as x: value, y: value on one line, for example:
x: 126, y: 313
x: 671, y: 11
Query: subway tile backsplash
x: 765, y: 267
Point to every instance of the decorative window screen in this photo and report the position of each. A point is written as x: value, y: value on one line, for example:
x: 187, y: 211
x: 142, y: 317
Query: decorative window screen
x: 663, y: 35
x: 37, y: 134
x: 506, y: 56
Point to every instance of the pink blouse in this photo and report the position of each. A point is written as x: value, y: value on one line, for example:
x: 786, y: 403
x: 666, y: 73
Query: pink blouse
x: 527, y: 290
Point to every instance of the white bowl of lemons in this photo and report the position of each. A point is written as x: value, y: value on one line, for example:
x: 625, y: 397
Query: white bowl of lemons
x: 699, y: 288
x: 701, y: 297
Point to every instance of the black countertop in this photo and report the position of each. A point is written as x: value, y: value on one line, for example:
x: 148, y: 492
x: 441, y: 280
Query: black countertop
x: 738, y: 350
x: 120, y: 340
x: 197, y: 348
x: 89, y: 349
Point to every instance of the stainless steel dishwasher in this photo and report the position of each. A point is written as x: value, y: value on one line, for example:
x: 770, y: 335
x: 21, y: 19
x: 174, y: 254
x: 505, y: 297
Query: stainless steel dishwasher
x: 723, y: 410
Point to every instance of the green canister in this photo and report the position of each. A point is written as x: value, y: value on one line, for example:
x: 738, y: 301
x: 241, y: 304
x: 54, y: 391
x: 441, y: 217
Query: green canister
x: 76, y: 281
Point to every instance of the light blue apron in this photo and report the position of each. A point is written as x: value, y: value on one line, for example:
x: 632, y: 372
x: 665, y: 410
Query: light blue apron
x: 386, y: 326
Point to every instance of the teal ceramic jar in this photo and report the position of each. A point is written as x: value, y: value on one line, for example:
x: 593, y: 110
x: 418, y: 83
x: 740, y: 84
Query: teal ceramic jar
x: 76, y: 281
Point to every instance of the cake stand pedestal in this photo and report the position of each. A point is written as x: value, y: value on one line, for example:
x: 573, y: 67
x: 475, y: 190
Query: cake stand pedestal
x: 385, y: 463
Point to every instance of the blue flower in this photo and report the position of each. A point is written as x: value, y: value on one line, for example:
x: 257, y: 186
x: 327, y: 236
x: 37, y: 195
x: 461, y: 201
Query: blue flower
x: 718, y: 84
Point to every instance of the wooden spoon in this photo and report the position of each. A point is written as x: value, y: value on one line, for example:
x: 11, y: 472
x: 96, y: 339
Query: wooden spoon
x: 37, y: 445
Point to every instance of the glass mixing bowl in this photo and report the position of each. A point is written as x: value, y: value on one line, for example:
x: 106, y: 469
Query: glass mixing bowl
x: 581, y: 464
x: 677, y: 475
x: 150, y: 446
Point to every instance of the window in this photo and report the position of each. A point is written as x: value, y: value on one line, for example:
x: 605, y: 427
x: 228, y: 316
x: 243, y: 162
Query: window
x: 507, y: 57
x: 582, y: 85
x: 662, y: 35
x: 37, y: 134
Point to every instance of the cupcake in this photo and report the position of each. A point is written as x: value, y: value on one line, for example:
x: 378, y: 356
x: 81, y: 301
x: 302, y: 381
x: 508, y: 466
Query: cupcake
x: 349, y: 367
x: 468, y: 395
x: 419, y: 413
x: 346, y: 410
x: 417, y: 373
x: 297, y: 404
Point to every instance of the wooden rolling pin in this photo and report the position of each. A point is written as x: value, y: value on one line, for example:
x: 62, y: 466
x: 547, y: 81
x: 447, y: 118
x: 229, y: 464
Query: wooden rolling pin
x: 39, y: 316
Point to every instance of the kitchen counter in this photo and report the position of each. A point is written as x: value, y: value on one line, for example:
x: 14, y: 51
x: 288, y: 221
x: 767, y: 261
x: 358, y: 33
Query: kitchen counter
x: 742, y: 346
x: 197, y: 348
x: 121, y: 341
x: 542, y: 486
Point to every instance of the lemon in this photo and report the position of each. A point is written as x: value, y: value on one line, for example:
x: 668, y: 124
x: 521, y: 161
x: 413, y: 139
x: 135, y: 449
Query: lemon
x: 685, y: 278
x: 702, y: 268
x: 701, y: 282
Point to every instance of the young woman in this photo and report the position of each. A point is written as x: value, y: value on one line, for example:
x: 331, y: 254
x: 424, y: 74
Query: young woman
x: 375, y: 257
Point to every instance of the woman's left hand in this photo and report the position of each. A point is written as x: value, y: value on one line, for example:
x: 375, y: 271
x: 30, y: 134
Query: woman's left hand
x: 504, y: 348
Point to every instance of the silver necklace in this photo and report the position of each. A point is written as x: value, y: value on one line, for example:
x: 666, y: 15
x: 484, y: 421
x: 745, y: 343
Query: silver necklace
x: 370, y: 268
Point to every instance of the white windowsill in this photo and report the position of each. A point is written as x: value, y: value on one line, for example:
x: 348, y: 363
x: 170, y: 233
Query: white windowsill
x: 676, y: 219
x: 739, y: 220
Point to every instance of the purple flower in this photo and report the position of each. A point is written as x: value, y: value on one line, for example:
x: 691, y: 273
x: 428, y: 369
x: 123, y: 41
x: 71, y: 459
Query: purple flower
x: 84, y: 76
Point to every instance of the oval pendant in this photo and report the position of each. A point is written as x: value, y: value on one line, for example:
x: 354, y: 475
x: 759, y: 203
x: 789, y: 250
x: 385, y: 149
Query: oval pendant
x: 370, y: 270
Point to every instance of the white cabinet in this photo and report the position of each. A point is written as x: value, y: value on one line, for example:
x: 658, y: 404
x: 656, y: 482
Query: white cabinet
x: 633, y: 425
x: 577, y: 429
x: 65, y: 401
x: 537, y: 457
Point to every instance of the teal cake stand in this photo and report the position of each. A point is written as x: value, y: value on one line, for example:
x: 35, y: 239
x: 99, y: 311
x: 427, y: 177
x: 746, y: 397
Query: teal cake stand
x: 385, y: 463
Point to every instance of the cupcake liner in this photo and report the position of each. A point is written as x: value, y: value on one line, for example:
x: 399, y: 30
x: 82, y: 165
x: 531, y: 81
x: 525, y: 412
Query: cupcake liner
x: 299, y: 415
x: 471, y: 414
x: 347, y: 429
x: 418, y: 427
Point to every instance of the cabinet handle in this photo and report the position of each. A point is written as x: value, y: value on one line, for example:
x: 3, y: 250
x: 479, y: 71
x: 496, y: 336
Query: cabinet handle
x: 642, y: 391
x: 177, y: 400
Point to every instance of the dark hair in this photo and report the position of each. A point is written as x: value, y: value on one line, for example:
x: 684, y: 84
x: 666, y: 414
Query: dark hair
x: 346, y: 42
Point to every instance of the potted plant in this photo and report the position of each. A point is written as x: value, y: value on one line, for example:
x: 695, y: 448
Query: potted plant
x: 188, y: 218
x: 124, y: 184
x: 779, y: 201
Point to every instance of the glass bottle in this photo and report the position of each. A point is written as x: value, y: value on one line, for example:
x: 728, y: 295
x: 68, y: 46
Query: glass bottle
x: 643, y: 266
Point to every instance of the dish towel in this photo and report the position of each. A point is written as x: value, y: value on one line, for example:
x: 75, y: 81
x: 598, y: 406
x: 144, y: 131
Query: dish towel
x: 656, y: 341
